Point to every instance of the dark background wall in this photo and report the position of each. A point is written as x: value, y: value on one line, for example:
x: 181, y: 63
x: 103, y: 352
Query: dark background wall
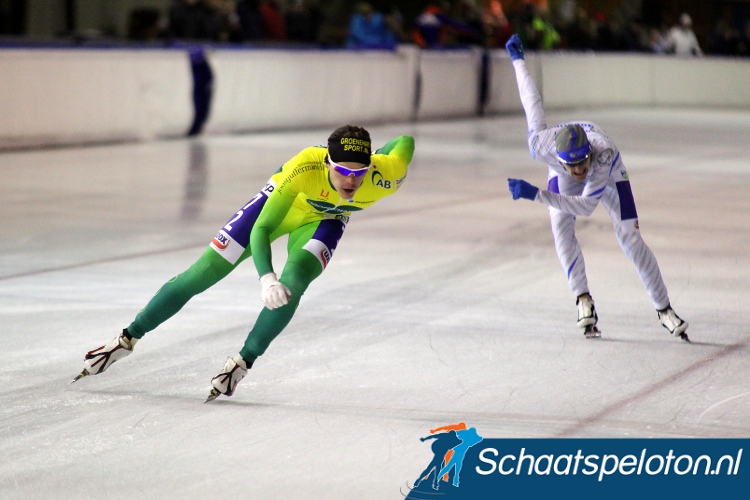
x: 55, y: 18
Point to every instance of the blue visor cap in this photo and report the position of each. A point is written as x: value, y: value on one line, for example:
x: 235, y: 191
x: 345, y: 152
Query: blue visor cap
x: 572, y: 144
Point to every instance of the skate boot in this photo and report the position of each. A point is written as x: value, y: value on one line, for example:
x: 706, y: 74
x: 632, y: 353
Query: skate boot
x: 225, y: 382
x: 101, y: 358
x: 587, y: 316
x: 676, y: 325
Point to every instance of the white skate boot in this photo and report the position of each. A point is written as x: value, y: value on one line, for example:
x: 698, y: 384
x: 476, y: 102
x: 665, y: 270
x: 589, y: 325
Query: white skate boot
x: 587, y: 316
x: 225, y: 382
x: 101, y: 358
x: 676, y: 325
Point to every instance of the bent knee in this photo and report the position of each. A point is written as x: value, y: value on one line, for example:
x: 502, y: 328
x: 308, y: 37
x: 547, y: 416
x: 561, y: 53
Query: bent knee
x: 295, y: 284
x: 301, y: 269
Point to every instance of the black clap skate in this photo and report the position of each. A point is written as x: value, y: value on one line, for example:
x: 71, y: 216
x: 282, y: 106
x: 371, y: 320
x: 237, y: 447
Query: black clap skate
x: 592, y: 332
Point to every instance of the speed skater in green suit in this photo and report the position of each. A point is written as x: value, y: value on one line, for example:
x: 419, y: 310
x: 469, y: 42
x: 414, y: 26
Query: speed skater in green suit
x: 310, y: 199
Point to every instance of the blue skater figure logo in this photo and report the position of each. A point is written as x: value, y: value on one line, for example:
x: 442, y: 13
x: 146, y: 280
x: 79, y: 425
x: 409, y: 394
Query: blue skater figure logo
x: 450, y: 447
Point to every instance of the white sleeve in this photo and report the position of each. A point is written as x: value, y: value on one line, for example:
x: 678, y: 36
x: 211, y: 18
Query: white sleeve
x: 573, y: 205
x: 583, y: 205
x: 541, y: 139
x: 670, y: 40
x: 530, y: 98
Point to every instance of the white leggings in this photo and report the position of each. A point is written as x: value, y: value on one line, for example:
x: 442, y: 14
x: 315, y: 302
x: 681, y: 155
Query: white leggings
x: 618, y: 201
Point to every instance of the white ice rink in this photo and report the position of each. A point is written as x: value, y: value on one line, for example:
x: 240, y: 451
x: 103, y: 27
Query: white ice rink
x: 443, y: 303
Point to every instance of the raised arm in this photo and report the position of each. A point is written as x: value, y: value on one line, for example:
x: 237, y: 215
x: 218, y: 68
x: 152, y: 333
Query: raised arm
x: 392, y: 161
x: 401, y: 147
x: 530, y: 97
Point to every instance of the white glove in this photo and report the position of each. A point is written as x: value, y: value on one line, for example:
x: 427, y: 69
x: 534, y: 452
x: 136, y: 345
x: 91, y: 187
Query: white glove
x: 275, y: 294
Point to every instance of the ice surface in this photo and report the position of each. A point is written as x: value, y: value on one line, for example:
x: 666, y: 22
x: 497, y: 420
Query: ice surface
x: 443, y: 303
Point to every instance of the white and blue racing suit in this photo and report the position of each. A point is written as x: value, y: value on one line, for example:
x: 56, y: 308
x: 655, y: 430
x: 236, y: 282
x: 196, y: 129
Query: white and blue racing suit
x: 607, y: 183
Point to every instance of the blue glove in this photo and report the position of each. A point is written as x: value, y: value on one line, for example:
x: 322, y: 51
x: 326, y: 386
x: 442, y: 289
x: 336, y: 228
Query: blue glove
x: 515, y: 48
x: 522, y: 189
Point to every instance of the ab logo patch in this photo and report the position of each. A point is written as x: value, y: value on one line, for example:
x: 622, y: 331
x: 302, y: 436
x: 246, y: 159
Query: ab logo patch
x: 377, y: 179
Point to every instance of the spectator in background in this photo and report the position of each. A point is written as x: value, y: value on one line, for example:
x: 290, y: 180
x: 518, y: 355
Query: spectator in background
x: 227, y: 22
x: 658, y: 41
x: 605, y: 35
x: 428, y: 27
x: 334, y: 26
x: 565, y: 13
x: 681, y: 39
x: 497, y: 27
x: 535, y: 28
x: 368, y: 30
x: 433, y: 27
x: 274, y: 24
x: 471, y: 16
x: 543, y: 33
x: 395, y: 22
x: 303, y: 21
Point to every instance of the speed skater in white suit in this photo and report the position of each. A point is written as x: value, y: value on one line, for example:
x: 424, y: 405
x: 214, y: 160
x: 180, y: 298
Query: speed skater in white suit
x: 585, y: 169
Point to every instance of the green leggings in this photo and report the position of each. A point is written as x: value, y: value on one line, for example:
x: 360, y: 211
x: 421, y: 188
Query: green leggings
x: 301, y: 268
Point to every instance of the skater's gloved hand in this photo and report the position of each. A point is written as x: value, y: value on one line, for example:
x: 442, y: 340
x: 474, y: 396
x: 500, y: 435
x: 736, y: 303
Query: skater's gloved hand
x: 522, y: 189
x: 515, y: 48
x: 275, y: 294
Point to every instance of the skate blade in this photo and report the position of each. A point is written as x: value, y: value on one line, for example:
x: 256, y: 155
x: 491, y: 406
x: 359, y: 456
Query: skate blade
x: 212, y: 395
x: 684, y: 336
x: 84, y: 373
x: 592, y: 332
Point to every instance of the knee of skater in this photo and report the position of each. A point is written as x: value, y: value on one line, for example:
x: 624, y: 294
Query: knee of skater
x: 296, y: 286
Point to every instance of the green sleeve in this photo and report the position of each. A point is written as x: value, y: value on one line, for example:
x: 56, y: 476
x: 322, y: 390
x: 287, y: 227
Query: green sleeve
x: 402, y: 147
x: 270, y: 218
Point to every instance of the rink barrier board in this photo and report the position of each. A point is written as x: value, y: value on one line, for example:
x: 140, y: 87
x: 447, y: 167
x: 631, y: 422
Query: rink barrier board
x: 53, y: 97
x: 59, y: 96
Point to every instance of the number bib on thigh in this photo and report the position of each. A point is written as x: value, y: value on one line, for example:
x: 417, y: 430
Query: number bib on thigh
x: 234, y: 237
x: 326, y: 237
